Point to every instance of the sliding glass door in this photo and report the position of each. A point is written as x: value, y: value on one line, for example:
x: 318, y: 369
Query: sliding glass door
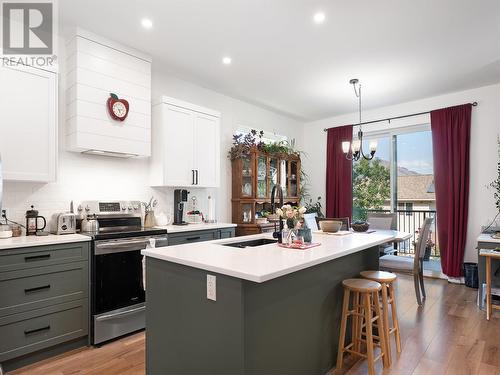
x: 371, y: 184
x: 399, y: 179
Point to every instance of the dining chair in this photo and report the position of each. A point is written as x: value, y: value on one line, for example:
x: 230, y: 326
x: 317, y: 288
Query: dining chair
x: 384, y: 221
x: 344, y: 220
x: 413, y: 266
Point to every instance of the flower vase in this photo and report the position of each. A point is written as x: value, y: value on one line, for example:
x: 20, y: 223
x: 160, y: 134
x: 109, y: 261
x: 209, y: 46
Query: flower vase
x: 291, y: 235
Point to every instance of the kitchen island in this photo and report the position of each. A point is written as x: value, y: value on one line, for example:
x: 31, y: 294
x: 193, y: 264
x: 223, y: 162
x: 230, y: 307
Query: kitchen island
x: 277, y: 311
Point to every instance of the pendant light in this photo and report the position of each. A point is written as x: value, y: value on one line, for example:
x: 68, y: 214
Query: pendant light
x: 354, y: 150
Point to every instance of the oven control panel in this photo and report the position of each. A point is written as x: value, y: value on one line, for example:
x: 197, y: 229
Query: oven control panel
x: 103, y: 208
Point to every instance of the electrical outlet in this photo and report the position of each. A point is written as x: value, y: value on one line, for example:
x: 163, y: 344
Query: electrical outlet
x: 212, y: 287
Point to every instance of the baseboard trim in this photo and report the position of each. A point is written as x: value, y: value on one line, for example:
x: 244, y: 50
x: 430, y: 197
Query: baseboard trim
x: 28, y: 359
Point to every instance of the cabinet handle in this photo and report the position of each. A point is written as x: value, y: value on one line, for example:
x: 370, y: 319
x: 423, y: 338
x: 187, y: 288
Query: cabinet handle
x: 36, y: 330
x: 36, y: 289
x: 36, y: 257
x: 193, y: 238
x: 192, y: 176
x: 196, y: 176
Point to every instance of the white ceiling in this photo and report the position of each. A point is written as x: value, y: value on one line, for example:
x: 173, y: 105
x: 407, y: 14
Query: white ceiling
x: 399, y: 49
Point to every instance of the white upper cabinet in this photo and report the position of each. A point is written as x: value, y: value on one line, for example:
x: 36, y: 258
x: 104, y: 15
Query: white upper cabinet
x: 28, y: 123
x: 97, y: 67
x: 186, y: 145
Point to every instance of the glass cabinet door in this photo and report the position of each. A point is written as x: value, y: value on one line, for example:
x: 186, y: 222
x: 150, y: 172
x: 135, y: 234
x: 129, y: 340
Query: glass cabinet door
x: 247, y: 215
x: 247, y: 176
x: 273, y: 173
x: 293, y: 187
x: 262, y: 176
x: 284, y: 176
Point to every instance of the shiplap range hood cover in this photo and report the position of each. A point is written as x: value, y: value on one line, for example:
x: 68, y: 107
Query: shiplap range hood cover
x: 97, y: 67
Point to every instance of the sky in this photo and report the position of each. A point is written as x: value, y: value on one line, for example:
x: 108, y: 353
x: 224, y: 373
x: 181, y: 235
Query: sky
x: 414, y: 151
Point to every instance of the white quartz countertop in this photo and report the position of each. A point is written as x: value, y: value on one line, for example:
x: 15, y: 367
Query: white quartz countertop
x: 195, y: 227
x: 486, y: 237
x: 266, y: 262
x: 51, y: 239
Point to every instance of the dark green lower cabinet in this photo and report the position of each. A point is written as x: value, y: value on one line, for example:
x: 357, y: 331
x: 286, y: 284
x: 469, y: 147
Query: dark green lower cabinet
x: 44, y: 301
x: 182, y: 238
x: 226, y: 233
x: 288, y: 325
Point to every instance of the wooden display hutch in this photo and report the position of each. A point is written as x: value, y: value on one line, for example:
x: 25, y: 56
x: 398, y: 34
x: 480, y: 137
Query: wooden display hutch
x: 254, y: 176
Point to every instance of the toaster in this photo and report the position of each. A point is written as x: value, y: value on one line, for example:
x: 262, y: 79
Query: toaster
x: 63, y: 223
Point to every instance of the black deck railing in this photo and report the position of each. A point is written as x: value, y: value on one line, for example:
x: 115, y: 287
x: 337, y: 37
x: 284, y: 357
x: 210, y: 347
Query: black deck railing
x: 411, y: 221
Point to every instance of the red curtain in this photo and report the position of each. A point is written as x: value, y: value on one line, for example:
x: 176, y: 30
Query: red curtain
x: 450, y: 143
x: 338, y: 174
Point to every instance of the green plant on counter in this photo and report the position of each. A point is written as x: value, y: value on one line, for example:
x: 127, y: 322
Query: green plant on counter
x: 316, y: 207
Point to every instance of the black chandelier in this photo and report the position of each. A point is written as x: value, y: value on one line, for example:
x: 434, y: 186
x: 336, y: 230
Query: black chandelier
x: 354, y: 150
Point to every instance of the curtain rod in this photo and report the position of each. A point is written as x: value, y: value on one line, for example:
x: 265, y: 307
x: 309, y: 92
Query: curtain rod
x: 474, y: 104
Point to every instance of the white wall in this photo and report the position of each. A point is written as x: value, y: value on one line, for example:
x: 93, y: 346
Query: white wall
x: 483, y: 147
x: 235, y: 114
x: 89, y: 177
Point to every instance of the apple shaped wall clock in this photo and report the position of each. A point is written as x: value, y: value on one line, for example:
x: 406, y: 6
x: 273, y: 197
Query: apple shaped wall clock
x: 118, y: 108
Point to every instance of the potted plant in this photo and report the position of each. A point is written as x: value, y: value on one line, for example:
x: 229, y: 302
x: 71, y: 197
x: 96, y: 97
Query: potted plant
x: 314, y: 208
x: 244, y: 143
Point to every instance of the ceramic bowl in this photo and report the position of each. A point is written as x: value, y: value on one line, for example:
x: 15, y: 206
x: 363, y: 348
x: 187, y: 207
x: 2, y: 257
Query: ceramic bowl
x: 330, y: 226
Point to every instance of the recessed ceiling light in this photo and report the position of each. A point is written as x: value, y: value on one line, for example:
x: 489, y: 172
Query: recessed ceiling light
x: 226, y: 60
x: 147, y: 23
x: 319, y: 18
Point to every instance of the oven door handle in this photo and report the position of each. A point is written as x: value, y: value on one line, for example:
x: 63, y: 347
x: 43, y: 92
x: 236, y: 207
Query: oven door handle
x: 121, y: 243
x: 124, y: 245
x: 119, y: 247
x: 120, y: 314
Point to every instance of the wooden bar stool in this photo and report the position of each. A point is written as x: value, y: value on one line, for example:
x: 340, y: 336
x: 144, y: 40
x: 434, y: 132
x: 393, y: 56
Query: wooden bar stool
x: 365, y: 311
x: 386, y: 279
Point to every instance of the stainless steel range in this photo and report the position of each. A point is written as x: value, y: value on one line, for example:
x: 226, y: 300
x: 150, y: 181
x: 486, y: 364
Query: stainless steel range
x: 117, y: 291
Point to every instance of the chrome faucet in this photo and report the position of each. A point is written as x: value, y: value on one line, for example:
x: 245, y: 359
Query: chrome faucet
x: 277, y: 189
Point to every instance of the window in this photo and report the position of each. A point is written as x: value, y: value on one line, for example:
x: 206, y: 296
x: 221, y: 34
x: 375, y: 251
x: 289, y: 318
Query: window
x: 371, y: 180
x: 399, y: 179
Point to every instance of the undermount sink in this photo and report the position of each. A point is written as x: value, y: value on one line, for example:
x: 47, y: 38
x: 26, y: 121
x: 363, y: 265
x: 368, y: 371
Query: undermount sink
x: 250, y: 243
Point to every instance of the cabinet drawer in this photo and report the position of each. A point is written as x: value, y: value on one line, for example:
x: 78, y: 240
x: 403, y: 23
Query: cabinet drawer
x: 191, y: 237
x: 23, y: 290
x: 38, y: 256
x: 226, y: 233
x: 37, y: 329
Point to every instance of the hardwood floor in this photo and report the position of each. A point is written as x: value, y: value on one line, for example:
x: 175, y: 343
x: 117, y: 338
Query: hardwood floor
x: 449, y: 335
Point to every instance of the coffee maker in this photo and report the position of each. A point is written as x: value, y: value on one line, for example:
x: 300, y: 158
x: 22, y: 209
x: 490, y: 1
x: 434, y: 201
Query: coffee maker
x: 180, y: 197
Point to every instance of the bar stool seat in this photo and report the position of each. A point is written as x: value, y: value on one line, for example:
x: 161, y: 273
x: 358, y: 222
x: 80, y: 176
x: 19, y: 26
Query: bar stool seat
x: 365, y: 312
x: 386, y: 279
x: 361, y: 285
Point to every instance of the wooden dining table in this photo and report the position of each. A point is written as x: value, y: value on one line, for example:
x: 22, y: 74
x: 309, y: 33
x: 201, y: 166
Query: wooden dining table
x: 489, y: 254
